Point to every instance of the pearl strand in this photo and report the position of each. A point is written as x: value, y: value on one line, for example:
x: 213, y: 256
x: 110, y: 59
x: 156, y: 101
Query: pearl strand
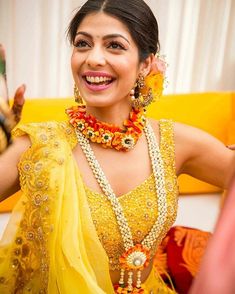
x: 159, y: 175
x: 105, y: 186
x: 158, y: 171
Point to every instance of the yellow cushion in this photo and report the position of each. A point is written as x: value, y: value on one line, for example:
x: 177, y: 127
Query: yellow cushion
x: 211, y: 112
x: 231, y: 127
x: 37, y: 110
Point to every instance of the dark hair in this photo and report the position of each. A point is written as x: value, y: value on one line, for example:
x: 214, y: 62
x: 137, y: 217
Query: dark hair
x: 135, y: 14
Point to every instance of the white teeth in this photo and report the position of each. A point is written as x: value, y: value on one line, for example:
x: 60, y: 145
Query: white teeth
x: 97, y: 80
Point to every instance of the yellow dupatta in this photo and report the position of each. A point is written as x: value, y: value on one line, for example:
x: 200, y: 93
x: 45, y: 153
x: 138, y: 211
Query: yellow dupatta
x: 50, y: 244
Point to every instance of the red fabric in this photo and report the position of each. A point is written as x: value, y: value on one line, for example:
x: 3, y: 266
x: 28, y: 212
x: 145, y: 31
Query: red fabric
x: 182, y: 249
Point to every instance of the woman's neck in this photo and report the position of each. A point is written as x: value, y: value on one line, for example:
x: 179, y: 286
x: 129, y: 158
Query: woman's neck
x: 114, y: 114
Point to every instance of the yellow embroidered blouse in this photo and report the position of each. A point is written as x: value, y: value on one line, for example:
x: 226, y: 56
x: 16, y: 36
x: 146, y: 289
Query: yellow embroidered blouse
x: 48, y: 246
x: 139, y: 205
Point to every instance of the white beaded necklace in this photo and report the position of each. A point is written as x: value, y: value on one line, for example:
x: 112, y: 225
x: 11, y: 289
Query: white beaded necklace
x: 136, y: 257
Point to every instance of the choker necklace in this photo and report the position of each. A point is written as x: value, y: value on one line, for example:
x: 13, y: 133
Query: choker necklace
x: 136, y: 256
x: 108, y: 135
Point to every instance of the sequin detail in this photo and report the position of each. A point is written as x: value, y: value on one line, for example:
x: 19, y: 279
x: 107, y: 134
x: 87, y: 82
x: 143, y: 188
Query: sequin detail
x: 138, y: 205
x: 27, y: 262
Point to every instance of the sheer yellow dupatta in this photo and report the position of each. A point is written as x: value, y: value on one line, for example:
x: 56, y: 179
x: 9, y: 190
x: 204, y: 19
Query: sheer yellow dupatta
x: 56, y: 242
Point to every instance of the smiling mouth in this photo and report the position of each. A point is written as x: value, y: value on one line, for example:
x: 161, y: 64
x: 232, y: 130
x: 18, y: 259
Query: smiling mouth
x: 98, y: 80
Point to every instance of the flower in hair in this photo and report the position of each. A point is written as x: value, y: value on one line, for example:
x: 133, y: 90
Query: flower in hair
x: 155, y: 79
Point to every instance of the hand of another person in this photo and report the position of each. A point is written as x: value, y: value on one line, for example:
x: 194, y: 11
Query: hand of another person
x: 9, y: 117
x: 217, y: 271
x: 232, y: 147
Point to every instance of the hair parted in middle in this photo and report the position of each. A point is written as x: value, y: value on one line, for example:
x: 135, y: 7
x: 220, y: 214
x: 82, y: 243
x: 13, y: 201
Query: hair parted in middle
x: 135, y: 14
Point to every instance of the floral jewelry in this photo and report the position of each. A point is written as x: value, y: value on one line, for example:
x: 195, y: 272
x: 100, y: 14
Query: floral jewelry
x: 136, y: 256
x: 77, y: 95
x: 144, y: 96
x: 108, y: 135
x: 155, y: 80
x: 150, y: 88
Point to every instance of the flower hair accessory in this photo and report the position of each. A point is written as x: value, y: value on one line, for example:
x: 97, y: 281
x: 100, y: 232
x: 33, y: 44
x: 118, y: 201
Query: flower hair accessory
x: 154, y: 81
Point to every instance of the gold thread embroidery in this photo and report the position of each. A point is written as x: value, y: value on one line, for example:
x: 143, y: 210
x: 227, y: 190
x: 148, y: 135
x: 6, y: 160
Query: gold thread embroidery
x: 28, y: 266
x: 138, y: 205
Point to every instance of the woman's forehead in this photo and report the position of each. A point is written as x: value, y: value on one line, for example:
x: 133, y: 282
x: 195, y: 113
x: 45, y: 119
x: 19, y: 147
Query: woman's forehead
x: 100, y: 23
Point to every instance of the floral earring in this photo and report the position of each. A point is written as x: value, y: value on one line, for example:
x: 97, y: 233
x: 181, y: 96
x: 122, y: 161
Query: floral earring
x: 150, y: 87
x: 141, y: 96
x: 77, y: 95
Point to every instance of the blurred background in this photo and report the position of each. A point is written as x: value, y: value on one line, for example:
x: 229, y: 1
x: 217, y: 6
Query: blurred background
x: 197, y: 37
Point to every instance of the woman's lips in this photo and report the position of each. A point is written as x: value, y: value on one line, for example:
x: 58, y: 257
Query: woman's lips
x: 97, y: 87
x: 97, y: 81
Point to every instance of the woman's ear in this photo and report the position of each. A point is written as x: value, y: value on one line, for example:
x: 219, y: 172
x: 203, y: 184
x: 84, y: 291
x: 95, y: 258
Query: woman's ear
x: 145, y: 66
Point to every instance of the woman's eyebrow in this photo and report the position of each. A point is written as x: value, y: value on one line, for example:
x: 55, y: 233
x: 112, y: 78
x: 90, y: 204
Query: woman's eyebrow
x: 116, y: 36
x: 105, y: 37
x: 84, y: 34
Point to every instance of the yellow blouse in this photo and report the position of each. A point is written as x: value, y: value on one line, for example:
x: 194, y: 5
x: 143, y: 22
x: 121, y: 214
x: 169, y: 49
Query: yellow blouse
x: 139, y: 205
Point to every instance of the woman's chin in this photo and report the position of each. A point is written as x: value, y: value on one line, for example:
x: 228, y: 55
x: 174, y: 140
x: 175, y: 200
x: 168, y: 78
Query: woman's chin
x: 99, y: 103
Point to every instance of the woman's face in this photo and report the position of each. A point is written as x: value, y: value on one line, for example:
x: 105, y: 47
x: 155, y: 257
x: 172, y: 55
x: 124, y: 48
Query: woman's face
x: 105, y: 61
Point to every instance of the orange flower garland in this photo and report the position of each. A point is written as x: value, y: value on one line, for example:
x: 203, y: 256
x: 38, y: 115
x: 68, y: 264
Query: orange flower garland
x: 108, y: 135
x: 136, y: 258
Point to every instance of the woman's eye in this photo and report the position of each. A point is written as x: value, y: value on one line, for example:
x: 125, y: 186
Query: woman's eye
x: 115, y: 45
x: 81, y: 44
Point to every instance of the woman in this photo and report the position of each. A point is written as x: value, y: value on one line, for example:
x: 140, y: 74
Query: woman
x: 71, y: 232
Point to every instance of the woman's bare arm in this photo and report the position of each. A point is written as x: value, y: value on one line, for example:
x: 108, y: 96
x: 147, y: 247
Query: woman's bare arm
x: 203, y: 156
x: 9, y: 175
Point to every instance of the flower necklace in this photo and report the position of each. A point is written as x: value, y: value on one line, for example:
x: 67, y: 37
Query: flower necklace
x: 108, y: 135
x: 136, y: 257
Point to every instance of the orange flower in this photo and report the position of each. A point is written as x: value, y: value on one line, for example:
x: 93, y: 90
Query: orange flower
x: 110, y: 136
x: 120, y: 290
x: 136, y: 258
x: 155, y: 79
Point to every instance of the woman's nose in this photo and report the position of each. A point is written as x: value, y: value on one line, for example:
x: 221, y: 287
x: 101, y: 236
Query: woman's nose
x: 96, y: 57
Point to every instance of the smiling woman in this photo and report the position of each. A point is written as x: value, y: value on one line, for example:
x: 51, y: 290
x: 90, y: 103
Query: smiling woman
x: 96, y: 51
x: 104, y: 51
x: 99, y: 192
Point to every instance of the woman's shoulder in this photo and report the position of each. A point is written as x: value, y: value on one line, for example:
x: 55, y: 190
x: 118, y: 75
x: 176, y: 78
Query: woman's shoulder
x: 49, y: 140
x: 180, y: 130
x: 162, y: 127
x: 34, y: 128
x: 46, y: 132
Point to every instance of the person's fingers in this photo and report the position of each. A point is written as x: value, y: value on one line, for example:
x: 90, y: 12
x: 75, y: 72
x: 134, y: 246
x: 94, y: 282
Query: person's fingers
x: 18, y: 103
x: 4, y: 108
x: 232, y: 147
x: 6, y: 117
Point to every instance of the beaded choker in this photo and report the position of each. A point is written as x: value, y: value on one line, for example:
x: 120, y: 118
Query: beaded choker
x: 108, y: 135
x: 136, y: 256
